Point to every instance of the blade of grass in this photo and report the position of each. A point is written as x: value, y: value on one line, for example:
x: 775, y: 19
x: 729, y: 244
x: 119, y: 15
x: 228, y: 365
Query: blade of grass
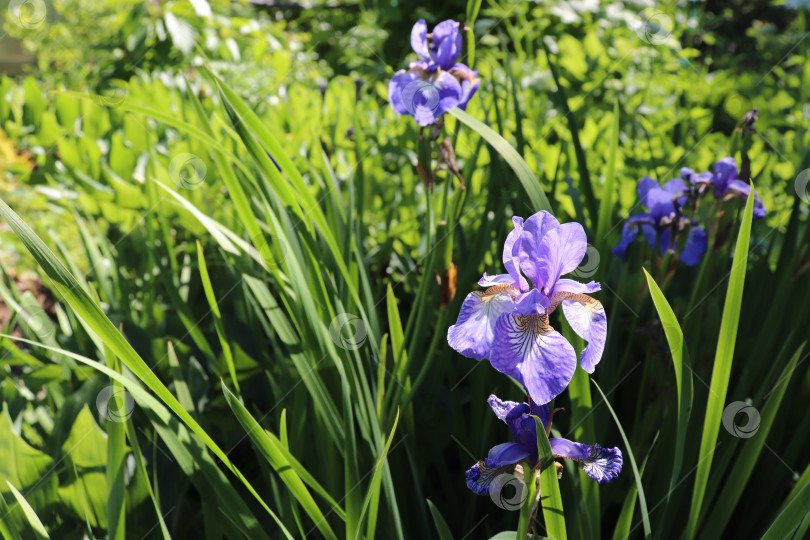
x: 33, y: 520
x: 549, y: 487
x: 683, y: 373
x: 722, y: 366
x: 530, y: 183
x: 91, y: 314
x: 438, y: 520
x: 212, y: 303
x: 642, y: 500
x: 606, y: 204
x: 793, y: 512
x: 277, y: 461
x: 736, y: 480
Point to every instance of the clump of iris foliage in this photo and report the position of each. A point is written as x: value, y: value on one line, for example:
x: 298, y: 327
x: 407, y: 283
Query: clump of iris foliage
x: 243, y: 251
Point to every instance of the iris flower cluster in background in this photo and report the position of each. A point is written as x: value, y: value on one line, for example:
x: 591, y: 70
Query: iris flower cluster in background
x: 508, y: 323
x: 665, y: 222
x: 436, y: 82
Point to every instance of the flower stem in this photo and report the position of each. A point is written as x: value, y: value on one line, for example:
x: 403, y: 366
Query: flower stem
x: 530, y: 480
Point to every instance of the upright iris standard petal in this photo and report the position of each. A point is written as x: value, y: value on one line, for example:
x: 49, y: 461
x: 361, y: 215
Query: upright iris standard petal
x: 419, y: 39
x: 695, y: 247
x: 588, y: 319
x: 445, y: 47
x: 532, y: 251
x: 511, y: 254
x: 526, y: 348
x: 474, y: 331
x: 564, y: 248
x: 500, y: 407
x: 725, y: 171
x: 678, y: 189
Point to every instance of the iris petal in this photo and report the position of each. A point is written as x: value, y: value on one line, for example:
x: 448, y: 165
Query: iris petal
x: 629, y: 233
x: 588, y: 319
x: 507, y: 454
x: 399, y: 81
x: 529, y: 350
x: 725, y: 171
x: 419, y: 38
x: 511, y: 253
x: 695, y: 247
x: 483, y: 480
x: 531, y: 253
x: 469, y: 85
x: 601, y: 464
x: 564, y: 248
x: 473, y: 333
x: 645, y: 185
x: 563, y: 448
x: 604, y: 464
x: 446, y: 45
x: 500, y: 407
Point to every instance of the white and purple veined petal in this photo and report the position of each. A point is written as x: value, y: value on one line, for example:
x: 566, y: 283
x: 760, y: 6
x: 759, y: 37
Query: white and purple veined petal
x: 527, y: 349
x: 601, y: 464
x: 587, y: 318
x: 483, y: 477
x: 474, y: 331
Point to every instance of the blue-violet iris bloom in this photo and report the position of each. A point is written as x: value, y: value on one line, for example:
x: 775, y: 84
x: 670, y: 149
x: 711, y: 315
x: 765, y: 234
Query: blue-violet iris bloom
x: 509, y: 321
x: 601, y: 464
x: 436, y: 82
x: 664, y: 222
x: 725, y: 183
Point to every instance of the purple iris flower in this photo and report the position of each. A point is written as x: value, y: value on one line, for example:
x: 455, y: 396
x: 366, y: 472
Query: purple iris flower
x: 601, y: 464
x: 664, y: 222
x: 509, y: 321
x: 726, y: 184
x: 436, y: 83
